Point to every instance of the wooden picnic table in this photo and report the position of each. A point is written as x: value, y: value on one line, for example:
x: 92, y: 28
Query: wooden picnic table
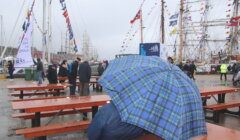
x: 218, y: 90
x: 38, y: 106
x: 36, y: 87
x: 221, y: 105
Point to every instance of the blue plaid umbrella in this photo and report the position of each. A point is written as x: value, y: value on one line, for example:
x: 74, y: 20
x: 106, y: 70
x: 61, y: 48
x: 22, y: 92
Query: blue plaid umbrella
x: 156, y: 96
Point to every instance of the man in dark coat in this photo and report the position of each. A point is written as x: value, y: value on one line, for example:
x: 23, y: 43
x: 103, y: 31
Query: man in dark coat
x: 84, y: 78
x: 72, y: 75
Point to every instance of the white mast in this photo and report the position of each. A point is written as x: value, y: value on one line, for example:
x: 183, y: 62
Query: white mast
x: 44, y: 39
x: 49, y: 30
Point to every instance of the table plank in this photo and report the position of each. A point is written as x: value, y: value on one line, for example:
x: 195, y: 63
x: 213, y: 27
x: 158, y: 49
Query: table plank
x: 217, y: 90
x: 61, y: 103
x: 19, y: 87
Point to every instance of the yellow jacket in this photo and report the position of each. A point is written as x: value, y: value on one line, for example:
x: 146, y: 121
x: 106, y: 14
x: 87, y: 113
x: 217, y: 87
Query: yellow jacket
x: 223, y: 68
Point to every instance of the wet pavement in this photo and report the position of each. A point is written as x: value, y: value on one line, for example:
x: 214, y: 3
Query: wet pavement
x: 8, y: 124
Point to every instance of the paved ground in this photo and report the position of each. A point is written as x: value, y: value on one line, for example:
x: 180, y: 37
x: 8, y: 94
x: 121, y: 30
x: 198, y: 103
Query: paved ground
x: 8, y: 124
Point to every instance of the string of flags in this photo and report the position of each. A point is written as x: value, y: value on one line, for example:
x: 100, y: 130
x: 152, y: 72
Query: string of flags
x: 69, y: 26
x: 27, y: 20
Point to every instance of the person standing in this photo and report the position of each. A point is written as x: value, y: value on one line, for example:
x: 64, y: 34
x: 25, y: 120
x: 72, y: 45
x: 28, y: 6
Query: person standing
x: 84, y: 78
x: 63, y: 70
x: 100, y: 72
x: 223, y: 71
x: 186, y: 68
x: 192, y: 69
x: 72, y: 75
x: 10, y: 70
x: 52, y: 74
x: 39, y: 70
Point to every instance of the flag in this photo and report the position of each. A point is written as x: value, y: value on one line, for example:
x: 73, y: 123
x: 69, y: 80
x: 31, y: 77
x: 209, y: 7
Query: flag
x: 173, y: 23
x: 65, y: 13
x: 138, y: 16
x: 174, y: 31
x: 174, y: 16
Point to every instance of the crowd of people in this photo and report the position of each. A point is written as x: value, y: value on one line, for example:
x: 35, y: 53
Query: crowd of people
x: 188, y: 68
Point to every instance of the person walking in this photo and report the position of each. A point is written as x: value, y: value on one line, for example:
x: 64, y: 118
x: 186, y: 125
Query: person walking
x: 72, y: 75
x: 223, y: 71
x: 84, y: 78
x: 63, y: 71
x: 39, y: 70
x: 10, y: 70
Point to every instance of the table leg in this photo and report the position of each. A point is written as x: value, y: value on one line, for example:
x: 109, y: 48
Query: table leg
x: 21, y: 97
x: 36, y: 122
x: 94, y: 111
x: 221, y: 98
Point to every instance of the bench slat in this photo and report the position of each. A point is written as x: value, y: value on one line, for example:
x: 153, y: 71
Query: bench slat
x: 33, y: 93
x: 53, y: 129
x: 223, y: 105
x: 51, y: 113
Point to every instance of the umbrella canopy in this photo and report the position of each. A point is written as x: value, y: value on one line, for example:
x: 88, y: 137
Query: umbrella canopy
x: 156, y: 96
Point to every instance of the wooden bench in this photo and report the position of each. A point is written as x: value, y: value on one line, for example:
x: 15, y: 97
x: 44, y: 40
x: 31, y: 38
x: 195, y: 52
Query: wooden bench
x: 53, y: 129
x: 38, y: 98
x: 26, y: 116
x: 222, y: 106
x: 17, y: 94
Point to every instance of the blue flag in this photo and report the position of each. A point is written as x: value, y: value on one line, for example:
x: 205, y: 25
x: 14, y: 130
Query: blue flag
x: 174, y: 16
x: 173, y: 23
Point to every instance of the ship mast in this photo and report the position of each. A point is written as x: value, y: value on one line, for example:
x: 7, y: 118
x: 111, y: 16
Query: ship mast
x: 203, y: 42
x: 180, y: 31
x: 234, y: 37
x: 44, y: 39
x: 162, y: 31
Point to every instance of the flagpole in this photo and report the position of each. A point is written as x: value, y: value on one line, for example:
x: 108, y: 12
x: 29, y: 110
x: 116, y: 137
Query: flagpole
x: 180, y: 32
x: 141, y: 26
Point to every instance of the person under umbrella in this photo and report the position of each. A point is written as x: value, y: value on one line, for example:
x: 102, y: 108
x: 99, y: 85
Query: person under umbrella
x: 148, y: 95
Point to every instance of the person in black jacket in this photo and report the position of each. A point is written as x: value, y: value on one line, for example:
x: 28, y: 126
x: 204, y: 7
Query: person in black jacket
x: 72, y: 75
x: 100, y: 72
x: 84, y: 78
x: 52, y: 74
x: 10, y: 69
x: 63, y: 71
x: 39, y: 70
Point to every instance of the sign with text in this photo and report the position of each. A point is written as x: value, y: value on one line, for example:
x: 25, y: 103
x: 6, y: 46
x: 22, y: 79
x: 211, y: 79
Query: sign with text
x: 149, y: 49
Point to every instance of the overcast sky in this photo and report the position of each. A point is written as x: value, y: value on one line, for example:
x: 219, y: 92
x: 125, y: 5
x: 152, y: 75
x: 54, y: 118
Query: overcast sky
x: 106, y: 22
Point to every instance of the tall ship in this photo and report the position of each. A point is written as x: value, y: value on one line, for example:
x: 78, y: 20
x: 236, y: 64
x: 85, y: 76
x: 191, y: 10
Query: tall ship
x: 205, y: 31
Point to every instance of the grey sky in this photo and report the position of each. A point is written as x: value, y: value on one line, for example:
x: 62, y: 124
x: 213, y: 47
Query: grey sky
x: 106, y: 22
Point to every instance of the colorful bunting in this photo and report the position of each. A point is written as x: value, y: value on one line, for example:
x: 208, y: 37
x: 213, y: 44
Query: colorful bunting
x: 69, y: 26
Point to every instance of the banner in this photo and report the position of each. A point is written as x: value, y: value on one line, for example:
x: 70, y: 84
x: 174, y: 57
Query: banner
x: 24, y: 55
x: 149, y: 49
